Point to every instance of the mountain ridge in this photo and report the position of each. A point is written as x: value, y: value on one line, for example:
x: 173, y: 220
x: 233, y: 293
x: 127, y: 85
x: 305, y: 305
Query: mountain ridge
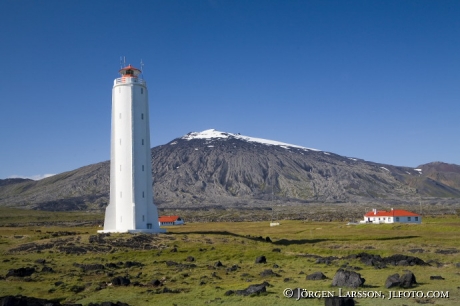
x: 217, y: 168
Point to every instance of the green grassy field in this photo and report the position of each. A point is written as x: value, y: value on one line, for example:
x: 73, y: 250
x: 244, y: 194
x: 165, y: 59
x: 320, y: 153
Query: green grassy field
x: 231, y: 243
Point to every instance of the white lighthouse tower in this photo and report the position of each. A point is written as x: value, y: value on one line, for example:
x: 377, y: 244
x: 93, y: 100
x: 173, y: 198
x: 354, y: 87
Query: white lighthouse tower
x: 131, y: 207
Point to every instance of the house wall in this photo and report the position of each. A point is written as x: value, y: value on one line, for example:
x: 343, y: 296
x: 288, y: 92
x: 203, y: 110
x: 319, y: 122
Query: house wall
x: 379, y: 220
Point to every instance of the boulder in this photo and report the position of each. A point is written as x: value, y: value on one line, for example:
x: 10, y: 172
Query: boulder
x: 392, y: 281
x: 130, y: 264
x: 20, y: 300
x: 437, y: 277
x: 407, y: 280
x: 253, y: 289
x: 316, y: 276
x: 47, y: 269
x: 233, y: 268
x: 268, y: 272
x: 261, y: 259
x: 120, y: 281
x: 345, y: 278
x: 218, y: 264
x: 21, y: 272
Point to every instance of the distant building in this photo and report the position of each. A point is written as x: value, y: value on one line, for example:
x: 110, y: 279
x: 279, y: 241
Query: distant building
x: 392, y: 216
x: 170, y: 220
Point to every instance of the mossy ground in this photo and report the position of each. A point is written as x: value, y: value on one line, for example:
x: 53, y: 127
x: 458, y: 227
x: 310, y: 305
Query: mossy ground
x: 232, y: 243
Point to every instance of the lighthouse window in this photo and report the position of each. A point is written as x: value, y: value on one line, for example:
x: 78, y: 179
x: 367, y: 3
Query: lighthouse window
x: 120, y: 115
x: 120, y: 194
x: 143, y: 218
x: 142, y: 116
x: 142, y: 167
x: 142, y: 90
x: 143, y: 194
x: 142, y: 141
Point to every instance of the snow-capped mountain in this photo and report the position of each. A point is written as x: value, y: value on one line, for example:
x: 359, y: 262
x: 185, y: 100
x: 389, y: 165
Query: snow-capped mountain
x: 218, y: 168
x: 212, y: 134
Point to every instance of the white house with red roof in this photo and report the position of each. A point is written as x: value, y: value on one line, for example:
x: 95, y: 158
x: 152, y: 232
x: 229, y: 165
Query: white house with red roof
x: 170, y: 220
x: 393, y: 216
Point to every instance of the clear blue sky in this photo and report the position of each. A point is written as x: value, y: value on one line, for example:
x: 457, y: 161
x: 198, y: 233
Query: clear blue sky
x: 378, y: 80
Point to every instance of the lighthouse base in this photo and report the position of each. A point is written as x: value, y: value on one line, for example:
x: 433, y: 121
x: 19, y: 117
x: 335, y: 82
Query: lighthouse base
x: 134, y: 231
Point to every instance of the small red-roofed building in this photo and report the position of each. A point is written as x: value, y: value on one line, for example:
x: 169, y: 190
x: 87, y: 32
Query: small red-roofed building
x: 393, y: 216
x: 170, y: 220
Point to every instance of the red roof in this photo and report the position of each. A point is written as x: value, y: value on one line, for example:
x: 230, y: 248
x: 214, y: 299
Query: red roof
x: 391, y: 213
x: 168, y: 218
x: 133, y: 71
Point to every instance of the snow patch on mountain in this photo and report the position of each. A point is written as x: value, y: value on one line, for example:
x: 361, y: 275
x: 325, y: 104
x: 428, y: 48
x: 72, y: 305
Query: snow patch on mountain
x: 213, y: 134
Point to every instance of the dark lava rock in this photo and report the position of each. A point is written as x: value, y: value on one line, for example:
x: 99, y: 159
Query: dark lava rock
x: 190, y: 259
x: 111, y: 265
x: 392, y: 281
x: 416, y: 250
x: 399, y: 259
x: 316, y: 276
x: 21, y: 272
x: 339, y: 301
x: 325, y: 260
x: 267, y: 239
x: 218, y: 264
x: 395, y: 260
x: 20, y: 300
x: 447, y: 251
x: 171, y: 263
x: 268, y: 272
x: 89, y: 267
x: 167, y: 290
x: 120, y: 281
x: 261, y: 259
x: 253, y: 289
x: 278, y: 250
x: 457, y: 264
x: 437, y: 277
x: 347, y: 279
x: 232, y: 268
x: 40, y: 261
x: 130, y: 264
x: 407, y: 280
x: 155, y: 283
x: 47, y: 269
